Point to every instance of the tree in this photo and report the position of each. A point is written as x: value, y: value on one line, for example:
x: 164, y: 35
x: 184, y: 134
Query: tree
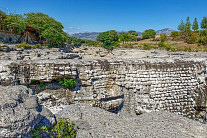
x: 133, y: 33
x: 16, y: 22
x: 150, y: 33
x: 204, y: 23
x: 109, y: 39
x: 124, y: 37
x: 187, y: 24
x: 195, y: 25
x: 181, y: 27
x: 2, y: 16
x: 48, y: 27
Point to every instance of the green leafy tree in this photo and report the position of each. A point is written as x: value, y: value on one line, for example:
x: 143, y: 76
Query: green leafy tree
x: 48, y: 27
x: 133, y: 38
x: 195, y: 25
x: 150, y: 33
x: 78, y: 42
x: 204, y: 23
x: 187, y: 24
x: 124, y: 37
x: 15, y: 22
x: 181, y: 27
x: 133, y: 33
x: 108, y: 39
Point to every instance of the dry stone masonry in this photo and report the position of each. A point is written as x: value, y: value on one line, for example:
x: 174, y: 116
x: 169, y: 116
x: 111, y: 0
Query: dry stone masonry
x: 134, y: 85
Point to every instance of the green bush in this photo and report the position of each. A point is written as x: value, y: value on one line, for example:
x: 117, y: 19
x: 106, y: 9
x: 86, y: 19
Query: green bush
x: 175, y: 34
x: 92, y: 43
x: 63, y: 129
x: 39, y: 45
x: 42, y: 84
x: 160, y: 44
x: 70, y: 83
x: 163, y: 38
x: 173, y: 49
x: 25, y: 46
x: 78, y: 42
x: 146, y: 46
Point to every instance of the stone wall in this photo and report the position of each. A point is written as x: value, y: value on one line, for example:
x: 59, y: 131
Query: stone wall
x: 9, y: 38
x: 138, y: 85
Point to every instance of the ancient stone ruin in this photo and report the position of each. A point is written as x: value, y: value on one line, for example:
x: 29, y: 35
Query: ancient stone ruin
x: 133, y: 86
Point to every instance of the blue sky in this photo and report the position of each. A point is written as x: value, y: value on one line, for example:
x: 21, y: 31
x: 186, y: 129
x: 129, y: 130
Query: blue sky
x: 104, y: 15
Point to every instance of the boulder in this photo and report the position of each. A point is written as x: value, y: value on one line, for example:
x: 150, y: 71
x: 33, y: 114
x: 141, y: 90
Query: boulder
x: 20, y: 112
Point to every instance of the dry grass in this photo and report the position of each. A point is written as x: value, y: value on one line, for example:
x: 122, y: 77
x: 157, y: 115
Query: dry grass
x: 178, y: 45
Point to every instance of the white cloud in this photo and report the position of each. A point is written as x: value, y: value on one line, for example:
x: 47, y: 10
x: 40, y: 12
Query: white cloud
x: 73, y: 28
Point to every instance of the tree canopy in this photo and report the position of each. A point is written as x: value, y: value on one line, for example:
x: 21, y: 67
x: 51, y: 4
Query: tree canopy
x: 195, y: 25
x: 204, y: 23
x: 109, y: 39
x: 187, y: 24
x: 124, y: 37
x: 16, y: 22
x: 133, y: 33
x: 150, y: 33
x: 48, y: 27
x: 181, y: 27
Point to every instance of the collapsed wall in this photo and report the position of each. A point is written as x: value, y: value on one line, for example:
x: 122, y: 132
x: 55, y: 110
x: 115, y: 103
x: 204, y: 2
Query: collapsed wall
x: 139, y: 85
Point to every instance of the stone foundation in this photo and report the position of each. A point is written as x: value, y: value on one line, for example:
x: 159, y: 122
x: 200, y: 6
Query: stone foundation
x: 140, y: 85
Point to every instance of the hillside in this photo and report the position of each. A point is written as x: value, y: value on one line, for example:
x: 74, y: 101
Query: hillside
x: 86, y: 35
x: 165, y: 31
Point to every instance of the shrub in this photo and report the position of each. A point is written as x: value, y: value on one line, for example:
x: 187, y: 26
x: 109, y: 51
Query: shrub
x: 146, y: 46
x: 163, y: 38
x: 39, y: 45
x: 63, y: 129
x: 70, y: 83
x: 175, y: 34
x: 25, y: 46
x: 78, y: 42
x: 173, y: 49
x: 92, y: 43
x: 168, y: 47
x: 41, y: 84
x: 160, y: 44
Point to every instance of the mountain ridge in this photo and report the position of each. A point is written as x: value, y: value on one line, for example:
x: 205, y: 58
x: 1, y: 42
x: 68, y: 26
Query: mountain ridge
x: 93, y: 35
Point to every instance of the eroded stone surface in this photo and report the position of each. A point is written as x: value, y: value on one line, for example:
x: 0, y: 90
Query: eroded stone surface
x: 20, y: 112
x: 95, y: 122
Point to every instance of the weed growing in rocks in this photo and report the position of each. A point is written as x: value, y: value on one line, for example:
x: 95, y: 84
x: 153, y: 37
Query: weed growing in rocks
x: 69, y: 83
x: 63, y: 129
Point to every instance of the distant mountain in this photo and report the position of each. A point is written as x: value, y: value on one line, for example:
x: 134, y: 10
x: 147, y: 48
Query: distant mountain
x: 165, y: 31
x: 86, y: 35
x: 93, y: 35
